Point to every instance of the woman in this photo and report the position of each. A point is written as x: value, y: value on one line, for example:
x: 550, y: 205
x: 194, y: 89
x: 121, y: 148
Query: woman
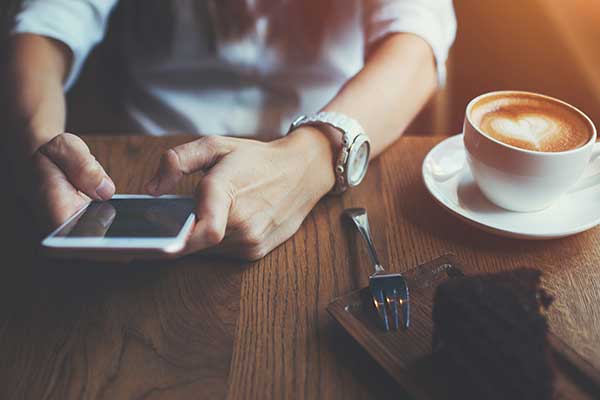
x: 231, y: 68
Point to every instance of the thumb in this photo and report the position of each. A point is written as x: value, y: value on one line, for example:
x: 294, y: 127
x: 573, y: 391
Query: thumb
x: 214, y: 200
x: 69, y: 153
x: 186, y: 159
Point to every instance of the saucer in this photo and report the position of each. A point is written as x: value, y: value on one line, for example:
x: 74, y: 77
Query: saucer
x: 450, y: 182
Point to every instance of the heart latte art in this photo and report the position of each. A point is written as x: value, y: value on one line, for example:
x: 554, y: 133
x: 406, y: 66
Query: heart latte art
x: 532, y: 128
x: 531, y: 122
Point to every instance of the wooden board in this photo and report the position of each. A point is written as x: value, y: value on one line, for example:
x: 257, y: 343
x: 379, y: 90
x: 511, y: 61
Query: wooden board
x: 406, y: 355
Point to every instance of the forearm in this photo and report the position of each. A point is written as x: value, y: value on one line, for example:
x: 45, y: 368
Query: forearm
x: 384, y: 97
x: 34, y: 94
x: 395, y: 83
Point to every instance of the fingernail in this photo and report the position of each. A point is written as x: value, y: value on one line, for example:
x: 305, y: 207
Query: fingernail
x: 105, y: 190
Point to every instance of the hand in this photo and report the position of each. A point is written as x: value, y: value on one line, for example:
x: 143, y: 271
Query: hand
x: 65, y: 177
x: 254, y: 195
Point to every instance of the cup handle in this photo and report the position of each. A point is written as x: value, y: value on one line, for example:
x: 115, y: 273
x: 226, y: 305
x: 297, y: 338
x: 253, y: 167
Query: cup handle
x: 591, y: 180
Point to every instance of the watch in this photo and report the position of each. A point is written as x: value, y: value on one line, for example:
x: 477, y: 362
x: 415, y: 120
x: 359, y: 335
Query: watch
x: 353, y: 159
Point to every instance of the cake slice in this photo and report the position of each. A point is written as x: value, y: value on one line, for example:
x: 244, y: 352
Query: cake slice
x: 490, y: 336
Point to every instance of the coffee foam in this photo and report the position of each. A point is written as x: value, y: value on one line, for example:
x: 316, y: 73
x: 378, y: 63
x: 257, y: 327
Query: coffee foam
x: 531, y: 122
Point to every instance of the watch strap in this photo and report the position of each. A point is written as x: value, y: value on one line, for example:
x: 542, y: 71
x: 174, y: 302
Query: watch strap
x: 350, y: 130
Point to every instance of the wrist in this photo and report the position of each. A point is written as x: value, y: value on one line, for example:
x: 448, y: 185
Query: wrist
x: 317, y: 148
x: 31, y: 138
x: 23, y: 142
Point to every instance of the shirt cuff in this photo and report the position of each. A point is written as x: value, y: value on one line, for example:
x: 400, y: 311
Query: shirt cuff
x: 79, y: 25
x: 436, y: 26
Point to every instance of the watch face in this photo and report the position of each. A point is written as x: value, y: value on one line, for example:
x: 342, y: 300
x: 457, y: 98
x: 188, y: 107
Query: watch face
x: 358, y: 161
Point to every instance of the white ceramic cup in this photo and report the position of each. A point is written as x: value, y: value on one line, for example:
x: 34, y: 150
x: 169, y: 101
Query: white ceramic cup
x: 523, y: 180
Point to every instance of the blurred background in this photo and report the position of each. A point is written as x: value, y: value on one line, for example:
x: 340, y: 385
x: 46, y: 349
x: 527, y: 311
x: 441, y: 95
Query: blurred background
x: 546, y: 46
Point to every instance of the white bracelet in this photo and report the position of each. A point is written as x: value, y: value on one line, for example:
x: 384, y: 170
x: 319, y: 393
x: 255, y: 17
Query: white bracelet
x: 354, y: 143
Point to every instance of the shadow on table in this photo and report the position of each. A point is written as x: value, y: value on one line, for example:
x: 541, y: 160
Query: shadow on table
x: 362, y: 367
x: 111, y: 330
x: 421, y: 210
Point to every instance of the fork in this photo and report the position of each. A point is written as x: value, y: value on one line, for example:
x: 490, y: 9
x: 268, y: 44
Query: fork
x: 388, y: 290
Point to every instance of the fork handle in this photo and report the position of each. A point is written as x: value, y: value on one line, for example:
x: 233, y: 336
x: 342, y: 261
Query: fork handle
x: 359, y: 217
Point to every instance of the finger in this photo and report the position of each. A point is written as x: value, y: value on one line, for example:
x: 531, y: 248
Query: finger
x: 73, y: 157
x: 214, y: 198
x: 185, y: 159
x: 55, y: 198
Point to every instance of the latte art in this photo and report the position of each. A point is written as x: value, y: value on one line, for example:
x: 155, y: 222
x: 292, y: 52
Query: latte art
x: 531, y: 122
x: 533, y: 129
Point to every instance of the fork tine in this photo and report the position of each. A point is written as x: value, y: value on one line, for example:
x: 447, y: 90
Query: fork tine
x: 405, y: 301
x: 379, y: 302
x: 392, y: 301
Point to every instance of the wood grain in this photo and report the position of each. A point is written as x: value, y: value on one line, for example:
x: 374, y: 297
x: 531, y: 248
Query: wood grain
x: 103, y: 331
x: 211, y: 328
x: 409, y: 229
x: 407, y: 354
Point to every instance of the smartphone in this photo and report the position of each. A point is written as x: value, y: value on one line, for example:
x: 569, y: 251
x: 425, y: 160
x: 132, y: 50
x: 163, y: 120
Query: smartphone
x: 126, y: 224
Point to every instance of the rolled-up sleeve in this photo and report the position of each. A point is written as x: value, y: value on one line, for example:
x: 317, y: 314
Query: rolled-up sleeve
x: 432, y: 20
x: 79, y: 24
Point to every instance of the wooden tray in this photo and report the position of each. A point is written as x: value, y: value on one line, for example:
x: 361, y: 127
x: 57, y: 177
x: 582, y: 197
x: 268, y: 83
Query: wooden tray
x: 406, y: 355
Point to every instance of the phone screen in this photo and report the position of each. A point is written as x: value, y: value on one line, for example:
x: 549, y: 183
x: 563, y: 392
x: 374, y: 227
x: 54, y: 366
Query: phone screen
x: 130, y: 218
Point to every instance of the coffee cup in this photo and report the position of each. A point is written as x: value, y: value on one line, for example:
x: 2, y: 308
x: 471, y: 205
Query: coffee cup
x: 526, y: 150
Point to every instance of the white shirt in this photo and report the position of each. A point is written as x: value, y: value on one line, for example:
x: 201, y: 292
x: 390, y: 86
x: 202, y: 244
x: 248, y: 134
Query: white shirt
x: 244, y: 88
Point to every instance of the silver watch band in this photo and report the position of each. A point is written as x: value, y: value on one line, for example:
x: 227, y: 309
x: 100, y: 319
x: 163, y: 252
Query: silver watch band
x: 350, y: 129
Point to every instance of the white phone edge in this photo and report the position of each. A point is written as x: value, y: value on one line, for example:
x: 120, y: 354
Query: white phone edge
x: 162, y: 245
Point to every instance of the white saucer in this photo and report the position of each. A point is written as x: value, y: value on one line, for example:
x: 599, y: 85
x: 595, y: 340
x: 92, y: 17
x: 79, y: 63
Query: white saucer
x: 449, y: 180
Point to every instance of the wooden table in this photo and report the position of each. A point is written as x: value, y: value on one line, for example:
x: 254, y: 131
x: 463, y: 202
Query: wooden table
x: 210, y: 328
